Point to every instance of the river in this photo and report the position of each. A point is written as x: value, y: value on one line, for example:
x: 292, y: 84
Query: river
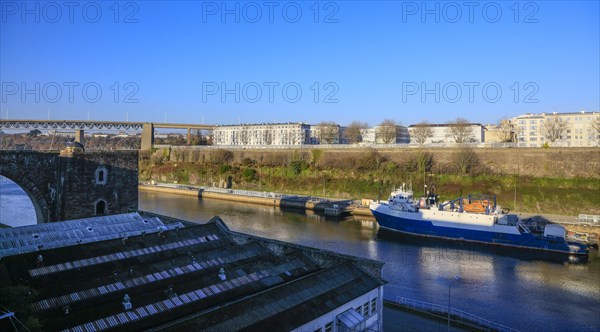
x: 523, y: 294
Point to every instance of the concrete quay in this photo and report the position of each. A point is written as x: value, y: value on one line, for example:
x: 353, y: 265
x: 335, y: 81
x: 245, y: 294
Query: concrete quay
x: 328, y: 207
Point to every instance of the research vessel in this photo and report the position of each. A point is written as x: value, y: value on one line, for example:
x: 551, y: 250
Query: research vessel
x: 471, y: 219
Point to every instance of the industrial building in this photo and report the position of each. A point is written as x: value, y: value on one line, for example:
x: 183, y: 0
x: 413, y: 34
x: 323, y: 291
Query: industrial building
x: 441, y: 133
x: 372, y: 135
x: 137, y: 272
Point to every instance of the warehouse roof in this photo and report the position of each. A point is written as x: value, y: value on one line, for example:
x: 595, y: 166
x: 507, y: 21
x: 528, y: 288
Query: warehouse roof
x: 199, y: 277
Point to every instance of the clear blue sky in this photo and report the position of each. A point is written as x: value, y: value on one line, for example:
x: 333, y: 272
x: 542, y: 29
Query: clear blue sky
x: 367, y: 58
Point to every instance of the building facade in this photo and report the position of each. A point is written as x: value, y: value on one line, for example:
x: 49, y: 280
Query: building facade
x: 262, y: 134
x: 373, y: 135
x: 442, y: 134
x: 495, y: 134
x: 578, y: 129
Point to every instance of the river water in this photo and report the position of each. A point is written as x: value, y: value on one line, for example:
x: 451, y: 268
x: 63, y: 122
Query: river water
x: 522, y: 294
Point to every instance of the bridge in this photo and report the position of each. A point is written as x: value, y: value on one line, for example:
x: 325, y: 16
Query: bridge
x: 79, y: 126
x: 71, y: 185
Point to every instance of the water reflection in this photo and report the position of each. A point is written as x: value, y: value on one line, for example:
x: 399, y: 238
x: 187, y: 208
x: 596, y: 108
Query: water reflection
x: 510, y: 289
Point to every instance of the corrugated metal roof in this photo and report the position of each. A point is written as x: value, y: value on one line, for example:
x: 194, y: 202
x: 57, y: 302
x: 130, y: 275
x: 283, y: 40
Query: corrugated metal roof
x: 174, y: 278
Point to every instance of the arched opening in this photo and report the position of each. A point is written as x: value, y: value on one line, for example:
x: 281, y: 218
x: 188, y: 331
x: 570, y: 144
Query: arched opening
x: 17, y: 206
x: 100, y: 208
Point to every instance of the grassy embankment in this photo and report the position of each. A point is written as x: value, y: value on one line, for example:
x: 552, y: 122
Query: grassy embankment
x: 370, y: 174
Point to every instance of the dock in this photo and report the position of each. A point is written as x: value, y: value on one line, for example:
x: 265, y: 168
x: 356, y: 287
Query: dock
x: 325, y: 206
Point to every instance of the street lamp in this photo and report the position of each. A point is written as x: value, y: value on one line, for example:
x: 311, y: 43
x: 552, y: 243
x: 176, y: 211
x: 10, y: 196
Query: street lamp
x: 456, y: 278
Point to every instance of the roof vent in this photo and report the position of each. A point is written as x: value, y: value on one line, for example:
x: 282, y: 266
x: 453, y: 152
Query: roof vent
x: 222, y: 274
x: 127, y: 302
x: 90, y: 229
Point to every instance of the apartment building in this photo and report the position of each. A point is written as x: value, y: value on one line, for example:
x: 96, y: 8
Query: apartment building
x: 262, y: 134
x: 577, y: 129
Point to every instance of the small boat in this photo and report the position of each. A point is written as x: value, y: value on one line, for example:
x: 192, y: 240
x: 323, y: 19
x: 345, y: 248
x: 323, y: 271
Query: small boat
x: 475, y: 219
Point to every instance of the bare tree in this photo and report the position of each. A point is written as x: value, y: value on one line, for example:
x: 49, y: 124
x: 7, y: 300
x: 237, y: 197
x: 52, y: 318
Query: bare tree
x: 505, y: 130
x: 244, y: 137
x: 355, y: 131
x: 328, y: 132
x: 554, y: 128
x: 466, y: 159
x: 596, y: 128
x: 267, y: 137
x: 460, y: 130
x: 387, y: 131
x: 421, y: 132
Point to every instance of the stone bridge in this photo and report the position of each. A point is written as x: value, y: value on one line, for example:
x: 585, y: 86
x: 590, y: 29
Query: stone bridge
x: 74, y: 185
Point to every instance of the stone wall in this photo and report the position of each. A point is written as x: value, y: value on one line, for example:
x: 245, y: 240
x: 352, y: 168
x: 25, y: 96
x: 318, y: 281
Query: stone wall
x: 65, y: 187
x: 81, y: 191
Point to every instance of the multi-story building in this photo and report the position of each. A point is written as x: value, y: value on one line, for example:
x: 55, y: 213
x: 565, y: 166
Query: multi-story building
x: 442, y: 134
x: 334, y: 135
x: 262, y: 134
x: 578, y: 129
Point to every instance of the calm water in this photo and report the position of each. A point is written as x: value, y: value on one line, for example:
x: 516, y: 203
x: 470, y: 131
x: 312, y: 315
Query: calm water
x: 16, y: 208
x: 526, y: 295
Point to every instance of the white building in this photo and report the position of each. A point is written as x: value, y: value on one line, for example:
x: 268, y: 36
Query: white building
x: 262, y: 134
x: 372, y: 135
x: 578, y: 129
x: 441, y: 133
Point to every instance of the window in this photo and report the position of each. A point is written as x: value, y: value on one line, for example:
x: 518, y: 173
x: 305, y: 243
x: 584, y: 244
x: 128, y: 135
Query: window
x: 373, y: 306
x: 366, y: 309
x: 101, y: 175
x: 329, y: 327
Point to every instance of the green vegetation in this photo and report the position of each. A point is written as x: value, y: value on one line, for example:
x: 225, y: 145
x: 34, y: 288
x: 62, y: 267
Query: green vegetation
x: 371, y: 174
x: 18, y: 298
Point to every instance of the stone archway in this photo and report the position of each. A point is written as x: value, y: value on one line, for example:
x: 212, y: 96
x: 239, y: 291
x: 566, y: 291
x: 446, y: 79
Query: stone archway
x: 37, y: 198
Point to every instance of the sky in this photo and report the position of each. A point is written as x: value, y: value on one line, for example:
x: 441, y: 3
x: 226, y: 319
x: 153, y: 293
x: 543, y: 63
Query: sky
x: 232, y: 62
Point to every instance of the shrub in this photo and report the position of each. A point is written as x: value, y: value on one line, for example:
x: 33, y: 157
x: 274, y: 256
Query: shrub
x: 249, y: 174
x: 224, y: 169
x: 221, y: 156
x: 316, y: 155
x: 298, y: 166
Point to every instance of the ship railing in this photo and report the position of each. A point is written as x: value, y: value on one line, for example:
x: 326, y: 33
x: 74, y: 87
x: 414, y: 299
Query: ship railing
x: 524, y: 228
x: 456, y: 315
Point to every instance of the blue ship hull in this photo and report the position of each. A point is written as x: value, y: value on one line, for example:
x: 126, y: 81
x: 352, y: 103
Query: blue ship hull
x: 576, y: 252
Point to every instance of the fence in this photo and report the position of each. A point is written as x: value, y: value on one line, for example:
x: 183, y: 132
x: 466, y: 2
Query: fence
x: 455, y: 315
x: 339, y: 146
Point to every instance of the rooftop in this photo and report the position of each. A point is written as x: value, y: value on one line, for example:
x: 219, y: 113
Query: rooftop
x: 183, y: 277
